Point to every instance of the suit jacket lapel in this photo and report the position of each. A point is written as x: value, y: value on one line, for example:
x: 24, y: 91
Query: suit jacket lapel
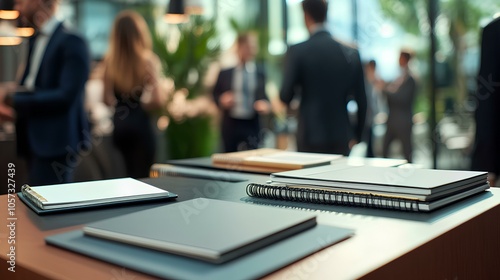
x: 229, y: 79
x: 31, y: 43
x: 51, y: 48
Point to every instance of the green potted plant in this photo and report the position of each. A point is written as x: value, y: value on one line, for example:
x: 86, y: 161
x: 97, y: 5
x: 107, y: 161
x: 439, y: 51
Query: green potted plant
x: 190, y: 132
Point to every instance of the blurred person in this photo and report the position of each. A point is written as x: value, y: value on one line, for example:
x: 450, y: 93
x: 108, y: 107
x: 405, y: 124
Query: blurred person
x: 400, y: 96
x: 132, y: 84
x: 240, y: 93
x: 371, y: 82
x: 325, y: 73
x: 486, y: 151
x: 52, y: 129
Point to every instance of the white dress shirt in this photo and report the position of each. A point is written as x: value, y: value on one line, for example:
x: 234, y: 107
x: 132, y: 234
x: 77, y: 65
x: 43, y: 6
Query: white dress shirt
x: 243, y: 107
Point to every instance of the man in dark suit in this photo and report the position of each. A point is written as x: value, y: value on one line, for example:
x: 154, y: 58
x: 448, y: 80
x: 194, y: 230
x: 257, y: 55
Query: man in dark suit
x: 400, y: 96
x: 326, y: 73
x: 241, y: 95
x: 486, y: 152
x: 51, y: 124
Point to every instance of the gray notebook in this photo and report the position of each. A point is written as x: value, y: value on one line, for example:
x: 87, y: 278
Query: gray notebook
x: 211, y: 230
x: 384, y: 179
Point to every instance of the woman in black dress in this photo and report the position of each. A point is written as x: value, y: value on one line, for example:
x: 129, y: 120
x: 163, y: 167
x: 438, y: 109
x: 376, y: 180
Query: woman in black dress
x: 131, y: 84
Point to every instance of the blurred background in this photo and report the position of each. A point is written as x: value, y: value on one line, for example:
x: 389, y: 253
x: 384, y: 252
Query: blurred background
x: 445, y: 35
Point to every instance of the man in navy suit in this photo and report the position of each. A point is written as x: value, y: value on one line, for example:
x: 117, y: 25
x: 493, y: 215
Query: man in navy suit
x: 241, y: 95
x: 326, y: 74
x: 51, y: 124
x: 486, y: 153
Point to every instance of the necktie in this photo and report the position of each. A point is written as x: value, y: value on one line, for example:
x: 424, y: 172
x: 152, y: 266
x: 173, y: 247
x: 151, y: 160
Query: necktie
x: 246, y: 90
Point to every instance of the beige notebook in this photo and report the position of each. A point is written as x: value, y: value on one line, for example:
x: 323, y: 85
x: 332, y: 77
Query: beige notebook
x: 272, y: 160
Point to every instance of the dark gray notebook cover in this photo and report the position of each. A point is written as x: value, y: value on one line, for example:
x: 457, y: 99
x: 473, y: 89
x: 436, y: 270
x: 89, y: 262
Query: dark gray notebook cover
x: 160, y: 170
x: 165, y: 265
x: 208, y: 229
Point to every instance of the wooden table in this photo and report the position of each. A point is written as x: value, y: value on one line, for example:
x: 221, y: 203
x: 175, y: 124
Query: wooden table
x: 461, y: 241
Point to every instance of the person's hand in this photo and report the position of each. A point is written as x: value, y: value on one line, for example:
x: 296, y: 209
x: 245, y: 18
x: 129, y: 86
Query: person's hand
x: 6, y: 112
x: 226, y: 100
x: 262, y: 106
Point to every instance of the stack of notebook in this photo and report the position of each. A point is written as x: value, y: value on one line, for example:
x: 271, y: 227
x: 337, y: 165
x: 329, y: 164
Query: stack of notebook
x: 409, y: 189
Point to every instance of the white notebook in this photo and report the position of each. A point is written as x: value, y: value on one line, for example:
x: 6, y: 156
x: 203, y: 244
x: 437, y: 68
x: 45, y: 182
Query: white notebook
x: 92, y: 193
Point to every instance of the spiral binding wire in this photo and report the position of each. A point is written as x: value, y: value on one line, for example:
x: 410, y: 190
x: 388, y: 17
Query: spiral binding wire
x: 309, y: 195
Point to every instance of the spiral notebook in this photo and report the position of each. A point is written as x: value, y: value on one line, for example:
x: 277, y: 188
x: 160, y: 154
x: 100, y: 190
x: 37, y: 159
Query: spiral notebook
x: 395, y: 201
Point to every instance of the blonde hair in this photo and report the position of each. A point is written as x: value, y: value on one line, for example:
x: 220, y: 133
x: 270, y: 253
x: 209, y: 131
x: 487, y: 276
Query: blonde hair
x: 129, y: 48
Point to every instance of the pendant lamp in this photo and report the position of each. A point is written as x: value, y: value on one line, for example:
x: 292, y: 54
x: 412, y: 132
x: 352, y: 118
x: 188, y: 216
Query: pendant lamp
x: 175, y: 12
x: 7, y: 10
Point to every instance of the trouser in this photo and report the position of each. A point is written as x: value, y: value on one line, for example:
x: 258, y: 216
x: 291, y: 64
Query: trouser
x: 402, y: 133
x: 240, y: 134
